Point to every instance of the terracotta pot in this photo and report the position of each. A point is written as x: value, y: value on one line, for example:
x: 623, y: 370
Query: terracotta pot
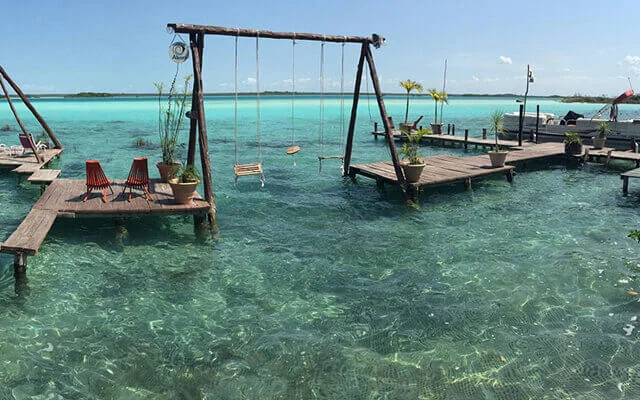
x: 573, y: 148
x: 412, y: 172
x: 598, y: 142
x: 167, y: 171
x: 183, y: 193
x: 436, y: 128
x: 498, y: 158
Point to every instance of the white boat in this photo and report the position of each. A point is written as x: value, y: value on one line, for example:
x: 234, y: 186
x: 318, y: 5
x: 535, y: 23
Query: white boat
x: 548, y: 125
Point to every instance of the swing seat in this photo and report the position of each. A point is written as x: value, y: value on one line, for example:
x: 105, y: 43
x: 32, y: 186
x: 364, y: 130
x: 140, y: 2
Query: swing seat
x: 249, y: 169
x: 293, y: 150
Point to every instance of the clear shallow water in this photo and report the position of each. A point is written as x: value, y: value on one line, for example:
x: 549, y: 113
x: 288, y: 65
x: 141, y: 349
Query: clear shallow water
x: 318, y: 287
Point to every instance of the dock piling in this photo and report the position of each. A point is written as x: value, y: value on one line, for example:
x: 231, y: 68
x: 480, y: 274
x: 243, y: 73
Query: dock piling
x: 484, y: 133
x: 453, y: 129
x: 448, y: 129
x: 466, y: 138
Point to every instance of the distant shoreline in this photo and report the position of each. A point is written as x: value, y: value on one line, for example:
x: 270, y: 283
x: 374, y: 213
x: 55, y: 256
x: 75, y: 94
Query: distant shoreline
x: 563, y: 99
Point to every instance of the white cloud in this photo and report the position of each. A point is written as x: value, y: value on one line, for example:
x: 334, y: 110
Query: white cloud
x: 475, y: 78
x: 566, y: 69
x: 249, y: 81
x: 632, y: 60
x: 635, y: 70
x: 491, y: 79
x: 505, y: 60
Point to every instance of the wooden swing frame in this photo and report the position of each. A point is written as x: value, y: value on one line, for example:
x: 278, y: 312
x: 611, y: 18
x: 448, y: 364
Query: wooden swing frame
x: 198, y: 127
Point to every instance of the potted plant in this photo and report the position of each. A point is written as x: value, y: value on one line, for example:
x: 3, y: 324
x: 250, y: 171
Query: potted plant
x: 412, y: 165
x: 437, y: 97
x: 603, y: 129
x: 184, y: 184
x: 572, y: 143
x: 498, y: 156
x: 169, y: 124
x: 408, y: 85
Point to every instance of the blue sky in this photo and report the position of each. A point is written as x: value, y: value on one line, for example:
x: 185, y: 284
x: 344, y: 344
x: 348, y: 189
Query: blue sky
x: 583, y: 47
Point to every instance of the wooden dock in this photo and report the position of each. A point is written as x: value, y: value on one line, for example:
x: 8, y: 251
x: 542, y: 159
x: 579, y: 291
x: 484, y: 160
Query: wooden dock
x: 63, y: 199
x: 26, y: 164
x: 445, y: 169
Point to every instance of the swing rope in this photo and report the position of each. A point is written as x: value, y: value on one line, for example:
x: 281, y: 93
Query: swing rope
x: 258, y: 99
x: 236, y: 105
x: 321, y: 127
x: 293, y: 149
x: 342, y: 98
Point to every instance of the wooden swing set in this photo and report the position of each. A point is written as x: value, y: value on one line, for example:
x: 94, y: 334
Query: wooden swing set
x: 198, y: 129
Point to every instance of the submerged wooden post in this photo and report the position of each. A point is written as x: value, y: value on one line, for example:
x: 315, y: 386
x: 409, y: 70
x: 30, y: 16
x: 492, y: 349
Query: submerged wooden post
x: 385, y: 120
x: 448, y: 129
x: 484, y: 133
x: 27, y: 103
x: 453, y: 129
x: 19, y: 264
x: 197, y: 48
x: 466, y: 138
x: 354, y: 112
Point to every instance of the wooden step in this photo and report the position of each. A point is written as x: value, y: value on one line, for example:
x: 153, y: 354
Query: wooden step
x: 247, y: 169
x: 44, y: 176
x: 30, y: 234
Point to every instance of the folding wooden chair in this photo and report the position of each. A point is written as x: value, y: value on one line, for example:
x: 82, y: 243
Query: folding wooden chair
x: 96, y: 179
x: 138, y: 178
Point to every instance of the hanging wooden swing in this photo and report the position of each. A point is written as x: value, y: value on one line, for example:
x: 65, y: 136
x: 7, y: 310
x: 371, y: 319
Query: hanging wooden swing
x: 255, y: 168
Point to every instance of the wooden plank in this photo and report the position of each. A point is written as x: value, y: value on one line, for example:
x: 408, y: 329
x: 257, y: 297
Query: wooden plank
x: 44, y: 176
x: 30, y: 233
x: 247, y: 169
x: 634, y: 173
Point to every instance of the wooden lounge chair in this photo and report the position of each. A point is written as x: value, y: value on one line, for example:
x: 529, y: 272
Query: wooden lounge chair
x: 26, y: 141
x: 138, y: 178
x: 96, y: 180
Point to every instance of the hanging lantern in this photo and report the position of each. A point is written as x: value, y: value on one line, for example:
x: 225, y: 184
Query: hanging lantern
x: 178, y: 52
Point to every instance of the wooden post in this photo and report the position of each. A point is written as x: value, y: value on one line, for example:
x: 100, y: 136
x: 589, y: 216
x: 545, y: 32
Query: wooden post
x: 625, y: 184
x: 484, y: 133
x: 608, y: 158
x: 537, y: 121
x: 27, y: 103
x: 448, y: 129
x: 520, y: 124
x: 19, y: 264
x: 193, y: 118
x: 466, y: 138
x: 354, y: 113
x: 196, y: 50
x: 453, y: 129
x: 385, y: 120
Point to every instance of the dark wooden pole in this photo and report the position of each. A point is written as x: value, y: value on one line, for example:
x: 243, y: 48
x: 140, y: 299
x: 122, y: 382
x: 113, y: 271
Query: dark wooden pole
x: 193, y: 119
x: 27, y: 103
x: 453, y: 129
x: 223, y: 31
x: 520, y: 125
x: 15, y: 114
x: 197, y: 48
x: 466, y: 138
x: 484, y: 133
x: 354, y: 112
x: 448, y: 129
x: 537, y: 120
x: 383, y: 113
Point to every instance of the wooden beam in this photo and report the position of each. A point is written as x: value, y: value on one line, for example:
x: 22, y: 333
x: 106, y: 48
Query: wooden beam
x: 35, y: 113
x: 383, y: 113
x: 354, y: 112
x: 197, y: 48
x: 193, y: 119
x: 223, y: 31
x: 15, y: 114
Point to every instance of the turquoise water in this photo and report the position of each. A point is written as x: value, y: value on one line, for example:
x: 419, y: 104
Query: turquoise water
x: 319, y: 287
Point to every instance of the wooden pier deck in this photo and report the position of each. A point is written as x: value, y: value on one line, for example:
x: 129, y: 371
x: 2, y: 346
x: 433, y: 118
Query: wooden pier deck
x: 445, y: 169
x: 27, y: 164
x: 63, y: 198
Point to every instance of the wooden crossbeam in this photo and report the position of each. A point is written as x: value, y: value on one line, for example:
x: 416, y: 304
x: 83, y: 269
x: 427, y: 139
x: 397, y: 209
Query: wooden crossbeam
x: 247, y: 169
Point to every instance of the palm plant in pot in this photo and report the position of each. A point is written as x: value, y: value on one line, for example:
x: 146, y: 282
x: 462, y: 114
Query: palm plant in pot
x: 409, y: 86
x: 438, y: 96
x: 602, y: 130
x: 498, y: 156
x: 184, y: 184
x: 169, y: 125
x: 412, y: 164
x: 572, y: 143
